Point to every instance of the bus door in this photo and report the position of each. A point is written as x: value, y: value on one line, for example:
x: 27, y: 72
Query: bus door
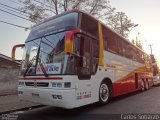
x: 84, y: 62
x: 83, y: 47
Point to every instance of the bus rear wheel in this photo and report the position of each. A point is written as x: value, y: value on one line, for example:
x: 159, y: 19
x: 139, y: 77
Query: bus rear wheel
x: 146, y: 85
x: 104, y: 93
x: 142, y: 85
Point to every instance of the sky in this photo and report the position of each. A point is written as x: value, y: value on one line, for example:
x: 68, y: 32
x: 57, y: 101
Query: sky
x: 145, y: 13
x: 11, y: 35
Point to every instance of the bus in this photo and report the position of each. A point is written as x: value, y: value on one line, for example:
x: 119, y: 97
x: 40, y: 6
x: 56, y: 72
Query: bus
x: 156, y: 75
x: 72, y: 59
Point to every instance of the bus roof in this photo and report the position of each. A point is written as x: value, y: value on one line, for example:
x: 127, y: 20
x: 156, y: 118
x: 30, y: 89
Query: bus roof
x: 83, y: 12
x: 56, y: 16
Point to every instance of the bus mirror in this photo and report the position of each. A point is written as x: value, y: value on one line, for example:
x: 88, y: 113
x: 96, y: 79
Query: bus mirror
x: 14, y: 50
x: 69, y: 42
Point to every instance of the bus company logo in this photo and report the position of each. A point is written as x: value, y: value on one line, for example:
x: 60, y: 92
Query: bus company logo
x: 50, y: 68
x: 35, y: 83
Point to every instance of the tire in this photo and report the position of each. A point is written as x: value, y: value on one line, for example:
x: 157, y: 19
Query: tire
x: 146, y: 85
x: 142, y: 85
x: 104, y: 93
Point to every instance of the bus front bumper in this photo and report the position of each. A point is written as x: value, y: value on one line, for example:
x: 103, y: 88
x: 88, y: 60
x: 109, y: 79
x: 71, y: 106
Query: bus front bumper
x: 52, y: 97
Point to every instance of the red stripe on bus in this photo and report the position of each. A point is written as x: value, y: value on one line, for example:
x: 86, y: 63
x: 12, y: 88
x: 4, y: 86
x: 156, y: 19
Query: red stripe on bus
x: 54, y: 78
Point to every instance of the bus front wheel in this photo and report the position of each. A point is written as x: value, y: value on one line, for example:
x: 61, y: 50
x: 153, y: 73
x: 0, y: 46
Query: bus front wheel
x: 104, y: 93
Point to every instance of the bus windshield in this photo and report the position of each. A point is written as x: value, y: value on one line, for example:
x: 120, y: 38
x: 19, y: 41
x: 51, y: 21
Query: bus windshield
x: 47, y: 54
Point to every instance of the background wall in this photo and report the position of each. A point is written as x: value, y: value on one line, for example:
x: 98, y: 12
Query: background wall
x: 9, y: 72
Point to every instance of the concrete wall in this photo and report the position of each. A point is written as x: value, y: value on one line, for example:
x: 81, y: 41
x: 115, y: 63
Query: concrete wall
x: 8, y: 80
x: 7, y: 63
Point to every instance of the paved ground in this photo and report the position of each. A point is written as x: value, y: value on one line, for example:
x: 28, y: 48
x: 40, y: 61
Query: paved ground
x: 147, y: 102
x: 11, y: 102
x: 139, y: 102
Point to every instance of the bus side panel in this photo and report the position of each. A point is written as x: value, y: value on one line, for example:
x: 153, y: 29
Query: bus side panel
x: 125, y: 69
x: 124, y: 86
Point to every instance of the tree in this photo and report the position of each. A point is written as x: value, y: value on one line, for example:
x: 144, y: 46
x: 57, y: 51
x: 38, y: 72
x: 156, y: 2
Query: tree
x: 120, y: 23
x: 39, y: 10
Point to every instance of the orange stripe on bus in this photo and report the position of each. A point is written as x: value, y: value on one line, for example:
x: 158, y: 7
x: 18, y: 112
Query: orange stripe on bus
x: 101, y: 54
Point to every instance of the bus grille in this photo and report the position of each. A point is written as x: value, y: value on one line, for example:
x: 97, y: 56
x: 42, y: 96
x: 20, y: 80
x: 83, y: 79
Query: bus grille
x: 37, y: 84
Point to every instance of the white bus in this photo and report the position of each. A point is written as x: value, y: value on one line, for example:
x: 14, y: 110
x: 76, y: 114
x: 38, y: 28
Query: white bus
x: 72, y: 60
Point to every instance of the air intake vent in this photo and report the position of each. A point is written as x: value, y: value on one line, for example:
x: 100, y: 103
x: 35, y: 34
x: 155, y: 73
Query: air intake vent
x: 37, y: 84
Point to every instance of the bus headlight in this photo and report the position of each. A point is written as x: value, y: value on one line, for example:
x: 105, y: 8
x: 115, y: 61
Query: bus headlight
x: 59, y: 85
x: 20, y: 83
x: 20, y: 92
x: 54, y: 84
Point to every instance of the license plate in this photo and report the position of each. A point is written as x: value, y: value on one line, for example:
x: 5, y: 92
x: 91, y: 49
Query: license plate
x: 35, y: 95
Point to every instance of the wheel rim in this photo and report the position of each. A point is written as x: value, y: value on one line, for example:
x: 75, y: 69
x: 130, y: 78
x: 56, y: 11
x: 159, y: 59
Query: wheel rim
x: 142, y: 85
x: 104, y: 92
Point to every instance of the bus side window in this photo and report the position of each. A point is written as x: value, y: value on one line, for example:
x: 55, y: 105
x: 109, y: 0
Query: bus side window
x: 110, y: 41
x: 142, y: 58
x: 124, y: 51
x: 95, y: 48
x: 91, y: 27
x: 88, y: 49
x: 84, y: 59
x: 138, y: 56
x: 77, y: 44
x: 83, y: 48
x: 95, y: 56
x: 120, y: 51
x: 112, y: 44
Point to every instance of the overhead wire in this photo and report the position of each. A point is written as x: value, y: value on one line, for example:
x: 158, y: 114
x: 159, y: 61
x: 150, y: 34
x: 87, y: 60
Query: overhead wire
x: 14, y: 8
x: 15, y: 15
x: 13, y: 24
x: 15, y: 11
x: 13, y: 1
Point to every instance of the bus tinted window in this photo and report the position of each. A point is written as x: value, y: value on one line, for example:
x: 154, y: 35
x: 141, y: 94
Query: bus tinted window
x: 89, y: 25
x: 61, y: 23
x: 95, y: 45
x: 110, y: 40
x: 117, y: 45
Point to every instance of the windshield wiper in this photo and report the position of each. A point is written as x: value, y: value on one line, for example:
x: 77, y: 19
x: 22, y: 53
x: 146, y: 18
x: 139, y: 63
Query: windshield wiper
x: 42, y: 67
x: 38, y: 60
x: 30, y: 64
